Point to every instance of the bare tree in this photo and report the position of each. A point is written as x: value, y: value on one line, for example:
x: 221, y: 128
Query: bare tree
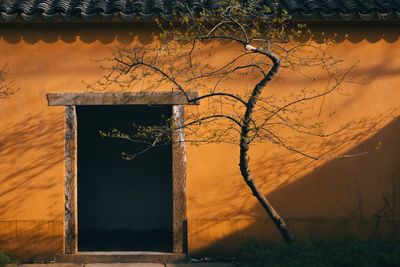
x: 258, y: 40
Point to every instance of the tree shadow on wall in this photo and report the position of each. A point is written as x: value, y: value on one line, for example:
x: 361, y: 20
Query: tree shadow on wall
x: 334, y: 198
x: 31, y: 191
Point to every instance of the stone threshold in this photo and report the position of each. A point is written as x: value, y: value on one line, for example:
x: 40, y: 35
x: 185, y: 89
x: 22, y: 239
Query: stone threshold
x: 187, y: 264
x: 121, y: 257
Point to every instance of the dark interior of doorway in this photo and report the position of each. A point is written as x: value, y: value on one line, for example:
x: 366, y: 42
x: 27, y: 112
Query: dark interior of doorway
x: 122, y: 205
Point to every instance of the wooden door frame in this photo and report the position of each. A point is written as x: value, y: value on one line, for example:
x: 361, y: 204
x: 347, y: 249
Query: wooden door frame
x: 177, y: 101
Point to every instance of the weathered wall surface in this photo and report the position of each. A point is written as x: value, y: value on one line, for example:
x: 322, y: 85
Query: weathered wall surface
x: 330, y: 198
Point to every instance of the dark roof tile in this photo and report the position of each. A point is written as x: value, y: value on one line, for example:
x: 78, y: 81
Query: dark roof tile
x: 128, y: 10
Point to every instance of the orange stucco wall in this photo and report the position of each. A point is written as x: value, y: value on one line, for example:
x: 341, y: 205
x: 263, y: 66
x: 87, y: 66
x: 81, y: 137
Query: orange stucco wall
x: 331, y: 197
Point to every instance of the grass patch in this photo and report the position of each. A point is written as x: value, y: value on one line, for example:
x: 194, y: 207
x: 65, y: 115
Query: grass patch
x: 324, y: 253
x: 3, y: 259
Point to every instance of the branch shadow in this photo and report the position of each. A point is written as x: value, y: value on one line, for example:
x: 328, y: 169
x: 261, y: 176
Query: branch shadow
x: 32, y: 153
x: 335, y: 198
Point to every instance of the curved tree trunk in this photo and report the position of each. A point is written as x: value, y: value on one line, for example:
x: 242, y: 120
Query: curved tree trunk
x: 245, y: 143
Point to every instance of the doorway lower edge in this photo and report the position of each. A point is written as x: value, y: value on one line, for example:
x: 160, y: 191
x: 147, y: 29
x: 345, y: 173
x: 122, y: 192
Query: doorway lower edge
x: 121, y: 257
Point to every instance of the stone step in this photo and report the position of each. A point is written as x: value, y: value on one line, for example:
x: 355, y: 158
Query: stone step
x: 197, y: 264
x: 121, y: 257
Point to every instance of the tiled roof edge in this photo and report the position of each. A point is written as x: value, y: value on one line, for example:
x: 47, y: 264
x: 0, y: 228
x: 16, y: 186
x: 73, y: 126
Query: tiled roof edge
x: 147, y: 10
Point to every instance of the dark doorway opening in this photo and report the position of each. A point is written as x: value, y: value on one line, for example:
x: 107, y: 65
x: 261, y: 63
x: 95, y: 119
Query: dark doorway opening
x: 123, y: 205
